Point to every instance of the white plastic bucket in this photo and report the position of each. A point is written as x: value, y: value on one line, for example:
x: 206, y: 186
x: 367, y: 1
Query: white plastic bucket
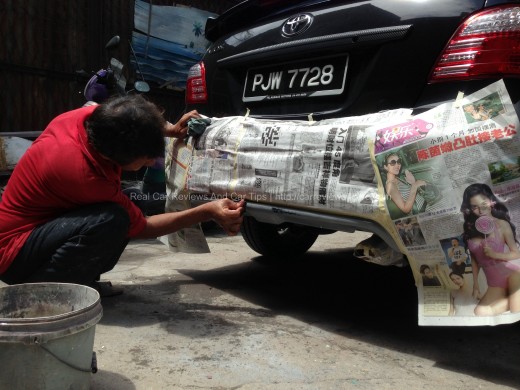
x: 47, y: 335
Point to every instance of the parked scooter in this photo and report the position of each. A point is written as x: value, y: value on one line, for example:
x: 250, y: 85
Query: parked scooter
x: 111, y: 81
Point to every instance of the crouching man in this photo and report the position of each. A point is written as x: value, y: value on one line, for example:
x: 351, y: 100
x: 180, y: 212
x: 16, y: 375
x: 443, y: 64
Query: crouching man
x: 63, y: 216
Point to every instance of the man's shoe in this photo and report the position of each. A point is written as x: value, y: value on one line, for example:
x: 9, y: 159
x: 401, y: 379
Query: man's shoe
x: 106, y: 289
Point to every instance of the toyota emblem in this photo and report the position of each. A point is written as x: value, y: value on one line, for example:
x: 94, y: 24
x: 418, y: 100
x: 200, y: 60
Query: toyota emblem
x: 296, y: 25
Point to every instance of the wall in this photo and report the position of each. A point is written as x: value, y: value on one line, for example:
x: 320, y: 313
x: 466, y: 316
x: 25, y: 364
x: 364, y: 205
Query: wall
x: 46, y: 43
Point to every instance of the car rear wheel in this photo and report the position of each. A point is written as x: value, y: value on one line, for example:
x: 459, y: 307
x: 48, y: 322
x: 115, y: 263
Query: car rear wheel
x: 277, y: 240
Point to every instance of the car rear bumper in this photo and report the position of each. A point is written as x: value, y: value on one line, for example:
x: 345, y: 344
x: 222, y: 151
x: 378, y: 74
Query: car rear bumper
x: 277, y: 215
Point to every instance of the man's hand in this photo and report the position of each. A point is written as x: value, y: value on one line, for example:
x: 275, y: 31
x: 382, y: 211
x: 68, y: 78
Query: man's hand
x: 180, y: 129
x: 225, y: 212
x: 228, y: 214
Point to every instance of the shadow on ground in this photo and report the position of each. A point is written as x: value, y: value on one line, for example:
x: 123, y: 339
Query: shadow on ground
x: 370, y: 303
x: 329, y: 289
x: 106, y: 380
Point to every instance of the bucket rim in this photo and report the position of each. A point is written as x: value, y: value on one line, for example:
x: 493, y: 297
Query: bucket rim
x: 37, y: 330
x: 56, y: 317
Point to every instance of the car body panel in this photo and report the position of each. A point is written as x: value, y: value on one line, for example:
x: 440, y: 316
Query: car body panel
x: 392, y: 46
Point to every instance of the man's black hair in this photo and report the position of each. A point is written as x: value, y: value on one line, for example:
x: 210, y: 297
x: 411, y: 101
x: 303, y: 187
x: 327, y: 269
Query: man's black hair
x: 126, y: 128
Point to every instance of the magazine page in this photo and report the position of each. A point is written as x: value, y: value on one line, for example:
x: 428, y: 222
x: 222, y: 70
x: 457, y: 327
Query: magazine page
x: 452, y: 189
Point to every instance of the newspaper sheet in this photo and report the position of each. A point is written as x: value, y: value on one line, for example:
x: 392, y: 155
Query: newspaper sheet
x: 445, y: 184
x: 452, y: 189
x: 177, y: 162
x: 313, y: 164
x: 324, y: 164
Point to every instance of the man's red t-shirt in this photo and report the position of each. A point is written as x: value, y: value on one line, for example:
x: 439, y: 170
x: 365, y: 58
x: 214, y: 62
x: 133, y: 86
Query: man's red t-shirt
x: 59, y: 172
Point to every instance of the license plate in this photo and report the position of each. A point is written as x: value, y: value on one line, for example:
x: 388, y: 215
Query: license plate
x: 319, y: 77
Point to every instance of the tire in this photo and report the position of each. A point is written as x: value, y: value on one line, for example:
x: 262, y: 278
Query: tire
x: 277, y: 240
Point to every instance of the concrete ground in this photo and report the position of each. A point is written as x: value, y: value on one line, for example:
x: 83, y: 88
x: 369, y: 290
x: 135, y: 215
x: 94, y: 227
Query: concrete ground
x: 228, y: 320
x: 325, y: 320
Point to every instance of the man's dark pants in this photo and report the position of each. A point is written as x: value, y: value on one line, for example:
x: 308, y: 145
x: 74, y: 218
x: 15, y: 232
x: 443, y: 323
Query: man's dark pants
x: 76, y: 247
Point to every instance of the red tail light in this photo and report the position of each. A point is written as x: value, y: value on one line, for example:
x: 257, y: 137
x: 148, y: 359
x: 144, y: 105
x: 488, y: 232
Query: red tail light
x: 196, y: 91
x: 487, y: 44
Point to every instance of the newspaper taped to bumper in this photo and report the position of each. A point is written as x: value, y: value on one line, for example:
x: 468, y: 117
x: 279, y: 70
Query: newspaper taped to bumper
x: 445, y: 184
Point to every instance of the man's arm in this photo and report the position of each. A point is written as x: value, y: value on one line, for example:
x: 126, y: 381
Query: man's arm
x: 225, y: 212
x: 180, y: 129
